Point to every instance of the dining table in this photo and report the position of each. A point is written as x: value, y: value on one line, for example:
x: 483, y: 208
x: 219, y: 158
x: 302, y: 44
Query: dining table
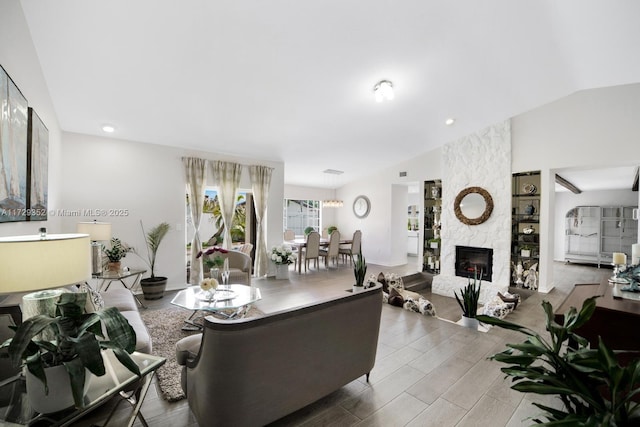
x: 301, y: 242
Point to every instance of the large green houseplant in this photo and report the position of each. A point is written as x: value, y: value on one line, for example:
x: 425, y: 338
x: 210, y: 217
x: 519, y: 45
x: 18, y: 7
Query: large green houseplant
x: 154, y: 286
x: 468, y: 301
x: 593, y: 387
x: 79, y: 339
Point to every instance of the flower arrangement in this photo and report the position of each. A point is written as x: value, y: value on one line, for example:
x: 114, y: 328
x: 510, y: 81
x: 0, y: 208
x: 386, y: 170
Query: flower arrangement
x: 209, y: 284
x: 117, y: 251
x: 283, y: 254
x: 213, y: 262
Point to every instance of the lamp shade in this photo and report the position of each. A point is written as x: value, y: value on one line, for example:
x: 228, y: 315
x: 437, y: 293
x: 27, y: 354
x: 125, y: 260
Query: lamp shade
x: 96, y: 230
x: 29, y: 263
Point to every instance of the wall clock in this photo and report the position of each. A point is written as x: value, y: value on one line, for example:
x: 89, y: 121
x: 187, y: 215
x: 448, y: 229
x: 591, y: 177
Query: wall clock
x: 361, y: 206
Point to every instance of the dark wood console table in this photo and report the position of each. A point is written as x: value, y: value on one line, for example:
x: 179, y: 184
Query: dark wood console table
x: 615, y: 320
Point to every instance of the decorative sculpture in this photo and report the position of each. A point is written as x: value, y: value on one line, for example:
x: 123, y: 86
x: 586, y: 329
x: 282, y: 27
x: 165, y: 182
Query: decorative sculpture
x: 632, y: 274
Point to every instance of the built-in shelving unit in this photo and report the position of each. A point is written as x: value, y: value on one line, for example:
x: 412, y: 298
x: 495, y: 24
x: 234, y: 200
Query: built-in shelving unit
x: 432, y: 213
x: 525, y: 230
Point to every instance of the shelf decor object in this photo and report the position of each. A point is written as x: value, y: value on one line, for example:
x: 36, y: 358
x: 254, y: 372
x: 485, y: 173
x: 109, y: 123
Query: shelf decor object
x: 98, y: 232
x: 525, y: 229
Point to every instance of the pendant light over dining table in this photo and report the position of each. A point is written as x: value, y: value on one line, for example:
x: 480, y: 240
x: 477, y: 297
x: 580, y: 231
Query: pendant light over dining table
x: 332, y: 203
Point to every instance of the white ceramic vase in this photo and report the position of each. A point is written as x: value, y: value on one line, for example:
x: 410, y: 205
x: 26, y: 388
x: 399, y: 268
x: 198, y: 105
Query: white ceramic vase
x: 357, y: 289
x: 470, y: 322
x: 59, y: 396
x: 282, y: 271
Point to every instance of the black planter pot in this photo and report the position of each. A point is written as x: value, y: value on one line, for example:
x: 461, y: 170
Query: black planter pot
x: 153, y: 287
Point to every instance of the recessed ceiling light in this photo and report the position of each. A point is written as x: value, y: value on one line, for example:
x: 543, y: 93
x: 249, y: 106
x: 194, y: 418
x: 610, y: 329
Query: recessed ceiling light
x: 108, y: 129
x: 383, y: 90
x: 450, y: 121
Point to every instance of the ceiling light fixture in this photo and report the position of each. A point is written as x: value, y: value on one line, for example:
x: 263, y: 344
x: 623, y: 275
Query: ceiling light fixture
x: 450, y: 121
x: 333, y: 203
x: 108, y: 128
x: 383, y: 90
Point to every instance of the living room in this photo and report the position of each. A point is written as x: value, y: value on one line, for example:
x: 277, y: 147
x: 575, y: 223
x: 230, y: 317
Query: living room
x: 583, y: 128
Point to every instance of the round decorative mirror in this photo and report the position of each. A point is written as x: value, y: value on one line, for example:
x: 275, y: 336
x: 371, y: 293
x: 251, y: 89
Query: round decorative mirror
x: 473, y: 205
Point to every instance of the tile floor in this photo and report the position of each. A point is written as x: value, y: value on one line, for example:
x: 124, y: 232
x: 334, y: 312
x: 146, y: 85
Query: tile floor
x: 428, y: 372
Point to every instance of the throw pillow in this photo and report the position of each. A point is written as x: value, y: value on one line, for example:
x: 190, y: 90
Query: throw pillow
x: 395, y: 298
x: 420, y: 305
x: 394, y: 280
x: 512, y: 298
x: 381, y: 279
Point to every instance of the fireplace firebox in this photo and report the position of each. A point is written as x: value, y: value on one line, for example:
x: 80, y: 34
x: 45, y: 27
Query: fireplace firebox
x: 470, y: 259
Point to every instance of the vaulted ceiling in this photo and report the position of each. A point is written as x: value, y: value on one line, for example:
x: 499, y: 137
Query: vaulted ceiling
x: 292, y: 80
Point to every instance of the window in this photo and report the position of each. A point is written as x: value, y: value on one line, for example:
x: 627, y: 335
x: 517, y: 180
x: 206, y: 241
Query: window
x: 211, y: 222
x: 300, y: 214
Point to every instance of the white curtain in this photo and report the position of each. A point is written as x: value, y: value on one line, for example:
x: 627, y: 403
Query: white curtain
x: 260, y: 183
x: 196, y: 173
x: 227, y: 178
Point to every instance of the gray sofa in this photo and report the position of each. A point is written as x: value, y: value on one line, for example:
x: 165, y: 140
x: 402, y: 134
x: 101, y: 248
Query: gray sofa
x: 123, y: 300
x: 250, y: 372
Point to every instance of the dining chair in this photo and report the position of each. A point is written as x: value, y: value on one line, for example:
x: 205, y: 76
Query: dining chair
x: 333, y: 250
x: 352, y: 249
x: 312, y: 249
x: 289, y: 235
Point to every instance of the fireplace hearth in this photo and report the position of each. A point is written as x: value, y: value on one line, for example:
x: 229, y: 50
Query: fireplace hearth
x: 471, y: 259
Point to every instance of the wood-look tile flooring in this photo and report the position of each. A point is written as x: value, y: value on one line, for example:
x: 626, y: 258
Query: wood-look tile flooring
x: 428, y: 372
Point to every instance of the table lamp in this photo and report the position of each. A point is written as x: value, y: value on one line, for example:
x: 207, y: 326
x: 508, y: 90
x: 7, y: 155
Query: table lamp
x: 33, y: 263
x: 97, y: 231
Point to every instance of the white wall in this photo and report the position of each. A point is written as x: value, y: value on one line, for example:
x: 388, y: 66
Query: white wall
x: 148, y: 182
x: 377, y: 236
x: 597, y: 127
x: 566, y: 201
x: 18, y: 57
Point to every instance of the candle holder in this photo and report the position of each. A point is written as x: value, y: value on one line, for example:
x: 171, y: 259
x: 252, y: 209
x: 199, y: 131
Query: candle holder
x: 617, y: 269
x: 619, y: 265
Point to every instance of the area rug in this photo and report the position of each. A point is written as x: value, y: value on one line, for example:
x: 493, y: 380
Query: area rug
x: 164, y: 326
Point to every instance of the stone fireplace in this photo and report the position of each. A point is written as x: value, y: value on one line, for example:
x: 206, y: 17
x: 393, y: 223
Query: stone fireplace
x: 471, y: 260
x: 482, y: 159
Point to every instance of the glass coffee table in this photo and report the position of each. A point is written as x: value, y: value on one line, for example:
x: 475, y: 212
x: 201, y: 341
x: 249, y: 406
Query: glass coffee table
x: 228, y: 302
x: 16, y: 411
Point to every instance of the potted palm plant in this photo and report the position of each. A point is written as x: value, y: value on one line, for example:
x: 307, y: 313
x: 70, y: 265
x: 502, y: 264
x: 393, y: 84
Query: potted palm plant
x: 153, y: 287
x: 359, y: 271
x: 57, y: 370
x: 468, y: 301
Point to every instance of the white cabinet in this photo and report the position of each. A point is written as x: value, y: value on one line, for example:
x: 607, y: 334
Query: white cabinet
x: 594, y: 233
x: 618, y: 231
x: 582, y: 235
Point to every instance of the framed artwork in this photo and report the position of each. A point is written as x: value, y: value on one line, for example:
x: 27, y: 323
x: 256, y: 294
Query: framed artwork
x: 37, y: 168
x: 13, y: 151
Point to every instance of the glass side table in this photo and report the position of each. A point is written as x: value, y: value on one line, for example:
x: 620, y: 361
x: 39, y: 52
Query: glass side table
x: 15, y: 409
x: 229, y: 301
x: 135, y: 275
